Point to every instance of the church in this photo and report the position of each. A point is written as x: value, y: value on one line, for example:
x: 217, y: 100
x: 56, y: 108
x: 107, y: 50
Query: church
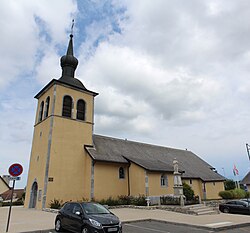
x: 69, y: 162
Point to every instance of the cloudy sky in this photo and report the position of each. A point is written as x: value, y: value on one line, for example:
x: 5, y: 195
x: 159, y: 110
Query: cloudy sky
x: 168, y: 72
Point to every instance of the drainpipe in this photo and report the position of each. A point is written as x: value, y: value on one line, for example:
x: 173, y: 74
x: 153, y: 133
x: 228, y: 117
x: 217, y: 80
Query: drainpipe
x: 128, y: 180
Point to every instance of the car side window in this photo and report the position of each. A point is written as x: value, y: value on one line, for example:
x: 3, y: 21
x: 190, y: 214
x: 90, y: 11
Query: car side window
x: 68, y: 208
x: 76, y: 208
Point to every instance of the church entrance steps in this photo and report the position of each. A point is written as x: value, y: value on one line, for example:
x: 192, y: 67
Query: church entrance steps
x: 200, y: 209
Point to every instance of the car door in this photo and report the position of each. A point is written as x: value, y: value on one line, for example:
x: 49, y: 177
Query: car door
x: 232, y: 206
x: 75, y: 220
x: 66, y: 213
x: 243, y: 207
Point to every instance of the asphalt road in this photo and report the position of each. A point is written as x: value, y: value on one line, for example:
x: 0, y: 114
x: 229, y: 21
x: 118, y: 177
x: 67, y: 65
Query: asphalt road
x: 161, y: 227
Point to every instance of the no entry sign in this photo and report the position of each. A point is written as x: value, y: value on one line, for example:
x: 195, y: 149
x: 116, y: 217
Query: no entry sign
x: 15, y: 169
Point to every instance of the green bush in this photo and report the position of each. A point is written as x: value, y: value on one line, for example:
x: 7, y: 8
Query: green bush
x: 139, y: 201
x: 239, y: 193
x: 233, y: 194
x: 188, y: 192
x: 56, y: 204
x: 125, y: 200
x: 228, y: 194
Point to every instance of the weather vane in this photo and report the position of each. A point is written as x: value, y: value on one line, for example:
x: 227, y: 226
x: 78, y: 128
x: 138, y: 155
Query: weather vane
x: 72, y: 26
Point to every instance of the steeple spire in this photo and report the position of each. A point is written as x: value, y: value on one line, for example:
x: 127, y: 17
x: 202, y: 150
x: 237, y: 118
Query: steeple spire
x: 68, y: 61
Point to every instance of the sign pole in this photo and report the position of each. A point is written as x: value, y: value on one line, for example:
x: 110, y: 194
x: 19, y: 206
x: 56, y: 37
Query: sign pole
x: 15, y: 170
x: 12, y: 191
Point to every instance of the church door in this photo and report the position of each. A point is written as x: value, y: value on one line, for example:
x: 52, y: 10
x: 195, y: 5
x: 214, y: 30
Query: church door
x: 33, y: 195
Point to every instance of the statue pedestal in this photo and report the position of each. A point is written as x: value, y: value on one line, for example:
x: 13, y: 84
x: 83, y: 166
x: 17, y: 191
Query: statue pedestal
x: 178, y: 190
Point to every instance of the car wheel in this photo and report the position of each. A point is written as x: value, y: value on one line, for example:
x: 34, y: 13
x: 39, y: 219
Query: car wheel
x: 58, y: 225
x: 226, y: 210
x: 85, y: 230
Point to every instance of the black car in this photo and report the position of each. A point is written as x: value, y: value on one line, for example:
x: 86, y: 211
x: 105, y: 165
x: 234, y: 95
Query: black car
x: 87, y: 217
x: 237, y: 207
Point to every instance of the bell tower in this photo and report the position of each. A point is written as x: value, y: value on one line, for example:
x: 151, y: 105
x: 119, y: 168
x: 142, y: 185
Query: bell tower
x: 63, y: 126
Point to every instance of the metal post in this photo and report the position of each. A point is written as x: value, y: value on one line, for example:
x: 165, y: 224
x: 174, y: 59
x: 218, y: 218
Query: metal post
x: 8, y: 221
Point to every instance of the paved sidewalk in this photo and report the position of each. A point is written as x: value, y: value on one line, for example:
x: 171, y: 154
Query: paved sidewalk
x: 25, y: 220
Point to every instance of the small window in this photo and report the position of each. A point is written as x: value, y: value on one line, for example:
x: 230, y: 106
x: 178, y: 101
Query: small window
x: 80, y: 110
x: 67, y: 106
x: 164, y: 180
x: 190, y: 181
x: 46, y: 112
x: 121, y: 173
x: 41, y: 112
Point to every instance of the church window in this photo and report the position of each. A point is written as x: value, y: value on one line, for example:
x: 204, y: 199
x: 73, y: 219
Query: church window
x: 67, y: 106
x: 80, y: 110
x: 121, y: 173
x: 41, y: 112
x: 164, y: 180
x: 46, y: 111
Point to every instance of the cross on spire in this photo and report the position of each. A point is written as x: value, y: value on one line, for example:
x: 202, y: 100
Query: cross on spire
x: 72, y: 26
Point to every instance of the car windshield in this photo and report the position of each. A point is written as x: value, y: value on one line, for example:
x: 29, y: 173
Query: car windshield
x: 94, y: 208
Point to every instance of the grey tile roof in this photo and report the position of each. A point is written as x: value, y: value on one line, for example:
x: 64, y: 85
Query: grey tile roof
x: 151, y: 157
x: 246, y: 179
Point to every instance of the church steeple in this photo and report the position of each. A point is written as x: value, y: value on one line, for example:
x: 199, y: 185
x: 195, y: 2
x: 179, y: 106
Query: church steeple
x: 69, y: 64
x: 68, y: 61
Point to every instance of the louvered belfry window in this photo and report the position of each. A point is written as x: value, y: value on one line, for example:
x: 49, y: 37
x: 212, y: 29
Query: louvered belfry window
x: 46, y: 112
x: 80, y: 110
x: 41, y: 112
x: 67, y: 106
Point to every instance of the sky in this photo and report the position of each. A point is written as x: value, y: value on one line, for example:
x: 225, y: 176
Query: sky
x: 172, y: 73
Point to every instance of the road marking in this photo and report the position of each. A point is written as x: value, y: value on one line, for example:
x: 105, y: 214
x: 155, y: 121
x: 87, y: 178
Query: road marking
x: 145, y: 228
x: 217, y: 224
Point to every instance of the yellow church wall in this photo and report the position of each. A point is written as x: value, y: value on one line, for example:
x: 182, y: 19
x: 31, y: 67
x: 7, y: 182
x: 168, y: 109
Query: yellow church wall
x: 213, y: 188
x: 68, y: 158
x: 107, y: 182
x: 196, y: 185
x: 137, y: 180
x: 87, y: 177
x: 154, y: 182
x: 38, y: 159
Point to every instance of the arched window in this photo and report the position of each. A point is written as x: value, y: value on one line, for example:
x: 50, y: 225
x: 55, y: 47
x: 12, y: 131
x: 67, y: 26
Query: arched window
x: 46, y: 111
x: 164, y: 180
x: 67, y: 106
x: 41, y: 112
x: 80, y: 110
x: 121, y: 173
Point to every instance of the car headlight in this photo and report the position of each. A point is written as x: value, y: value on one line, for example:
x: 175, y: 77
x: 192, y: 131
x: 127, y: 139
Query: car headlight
x: 120, y: 224
x: 95, y: 223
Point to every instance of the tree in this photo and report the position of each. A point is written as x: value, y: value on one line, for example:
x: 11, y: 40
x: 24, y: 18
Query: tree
x: 229, y: 184
x: 188, y: 192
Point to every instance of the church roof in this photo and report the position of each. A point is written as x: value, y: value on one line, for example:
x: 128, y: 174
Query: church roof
x: 246, y: 179
x: 151, y: 157
x: 4, y: 182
